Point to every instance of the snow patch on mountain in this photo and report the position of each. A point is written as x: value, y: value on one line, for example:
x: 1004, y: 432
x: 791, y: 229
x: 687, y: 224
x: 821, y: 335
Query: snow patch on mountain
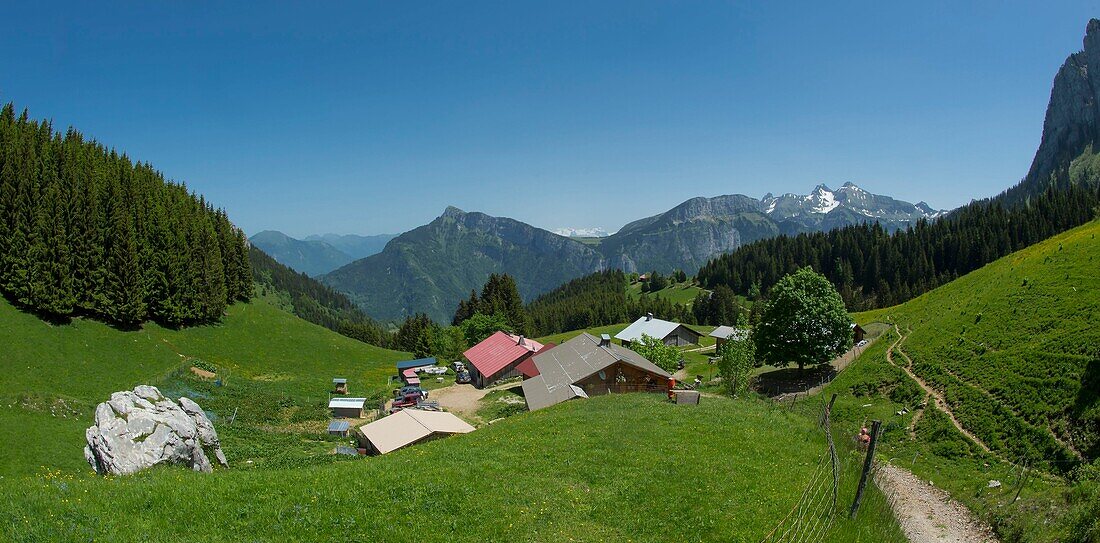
x: 596, y: 232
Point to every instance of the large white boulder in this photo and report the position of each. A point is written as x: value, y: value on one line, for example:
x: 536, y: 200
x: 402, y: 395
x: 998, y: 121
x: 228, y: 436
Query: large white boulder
x: 141, y: 428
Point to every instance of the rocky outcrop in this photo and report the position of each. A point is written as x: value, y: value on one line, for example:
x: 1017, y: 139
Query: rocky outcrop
x: 141, y: 428
x: 1072, y: 120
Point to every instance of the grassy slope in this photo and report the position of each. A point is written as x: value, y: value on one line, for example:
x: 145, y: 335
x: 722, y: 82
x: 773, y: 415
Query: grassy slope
x: 54, y: 375
x: 677, y: 293
x: 1034, y: 337
x: 1015, y: 347
x: 613, y: 468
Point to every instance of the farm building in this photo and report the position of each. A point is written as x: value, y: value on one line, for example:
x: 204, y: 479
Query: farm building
x: 726, y: 333
x: 339, y: 386
x: 589, y: 366
x: 408, y: 427
x: 338, y: 428
x: 672, y: 333
x: 410, y: 378
x: 347, y: 408
x: 413, y: 364
x: 497, y: 357
x: 857, y: 333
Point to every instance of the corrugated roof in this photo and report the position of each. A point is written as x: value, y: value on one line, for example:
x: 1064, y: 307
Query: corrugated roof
x: 339, y: 381
x: 338, y: 426
x: 406, y: 364
x: 498, y: 351
x: 353, y: 403
x: 409, y: 426
x: 653, y: 327
x: 563, y: 366
x: 409, y: 373
x: 730, y: 332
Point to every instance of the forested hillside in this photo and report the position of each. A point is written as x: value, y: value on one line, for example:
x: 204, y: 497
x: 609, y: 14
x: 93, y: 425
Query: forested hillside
x: 315, y: 302
x: 596, y: 300
x: 86, y: 231
x: 872, y: 268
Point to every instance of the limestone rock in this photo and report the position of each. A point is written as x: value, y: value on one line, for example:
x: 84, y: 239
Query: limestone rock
x: 137, y: 429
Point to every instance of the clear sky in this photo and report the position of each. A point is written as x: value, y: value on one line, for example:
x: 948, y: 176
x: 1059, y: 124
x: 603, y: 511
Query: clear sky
x: 373, y: 117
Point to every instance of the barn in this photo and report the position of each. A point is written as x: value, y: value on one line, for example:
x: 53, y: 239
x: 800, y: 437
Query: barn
x: 672, y: 333
x: 347, y: 408
x: 498, y: 356
x: 408, y: 427
x: 589, y: 366
x: 722, y: 334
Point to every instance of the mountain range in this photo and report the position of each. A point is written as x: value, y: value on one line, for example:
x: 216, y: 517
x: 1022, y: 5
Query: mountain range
x: 429, y: 269
x: 318, y: 254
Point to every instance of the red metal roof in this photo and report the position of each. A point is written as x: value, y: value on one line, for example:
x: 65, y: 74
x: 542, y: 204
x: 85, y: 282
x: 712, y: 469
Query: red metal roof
x: 528, y: 367
x: 409, y: 373
x: 498, y: 351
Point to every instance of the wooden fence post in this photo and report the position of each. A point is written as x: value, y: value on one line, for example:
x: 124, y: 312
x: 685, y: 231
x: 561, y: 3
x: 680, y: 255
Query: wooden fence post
x: 875, y: 425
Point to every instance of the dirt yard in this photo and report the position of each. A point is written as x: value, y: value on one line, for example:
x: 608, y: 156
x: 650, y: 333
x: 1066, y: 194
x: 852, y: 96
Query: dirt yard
x: 463, y: 400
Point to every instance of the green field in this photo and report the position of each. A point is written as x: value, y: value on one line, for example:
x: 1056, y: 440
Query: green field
x: 55, y: 375
x: 561, y: 474
x: 677, y: 293
x: 614, y: 468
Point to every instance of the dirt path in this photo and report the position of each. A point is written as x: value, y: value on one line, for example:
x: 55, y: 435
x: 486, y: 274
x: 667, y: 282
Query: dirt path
x: 941, y: 403
x: 464, y: 399
x: 926, y: 513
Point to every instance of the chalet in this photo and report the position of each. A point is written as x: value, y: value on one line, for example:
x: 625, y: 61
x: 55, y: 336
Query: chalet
x: 348, y: 408
x: 498, y: 356
x: 857, y: 333
x: 339, y: 386
x: 410, y: 378
x: 722, y: 334
x: 589, y: 366
x: 408, y: 427
x: 671, y: 333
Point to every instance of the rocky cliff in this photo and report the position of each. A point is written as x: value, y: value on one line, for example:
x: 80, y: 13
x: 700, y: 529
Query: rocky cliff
x: 1072, y: 122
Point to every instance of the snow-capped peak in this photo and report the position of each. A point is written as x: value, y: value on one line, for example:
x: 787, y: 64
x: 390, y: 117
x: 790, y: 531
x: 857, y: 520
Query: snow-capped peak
x: 823, y: 200
x: 850, y: 186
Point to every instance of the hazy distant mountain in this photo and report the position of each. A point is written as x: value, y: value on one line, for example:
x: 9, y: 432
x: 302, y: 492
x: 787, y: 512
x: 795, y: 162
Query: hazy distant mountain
x: 429, y: 269
x: 354, y: 245
x: 309, y: 257
x: 582, y: 232
x: 688, y: 235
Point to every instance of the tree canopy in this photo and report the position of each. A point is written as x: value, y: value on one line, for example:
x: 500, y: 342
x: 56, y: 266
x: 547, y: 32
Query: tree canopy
x: 804, y: 322
x: 86, y: 231
x: 653, y: 349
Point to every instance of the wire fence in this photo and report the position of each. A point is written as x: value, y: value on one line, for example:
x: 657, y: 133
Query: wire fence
x: 814, y: 514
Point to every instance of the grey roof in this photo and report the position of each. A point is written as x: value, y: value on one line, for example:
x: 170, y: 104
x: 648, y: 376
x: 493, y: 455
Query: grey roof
x: 563, y: 366
x: 730, y: 332
x: 650, y: 326
x: 339, y: 381
x: 339, y: 426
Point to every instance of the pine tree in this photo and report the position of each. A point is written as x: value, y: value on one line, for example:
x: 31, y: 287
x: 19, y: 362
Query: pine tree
x: 123, y: 293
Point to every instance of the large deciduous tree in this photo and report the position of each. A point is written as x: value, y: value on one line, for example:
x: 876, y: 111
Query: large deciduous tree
x: 653, y: 349
x: 804, y: 322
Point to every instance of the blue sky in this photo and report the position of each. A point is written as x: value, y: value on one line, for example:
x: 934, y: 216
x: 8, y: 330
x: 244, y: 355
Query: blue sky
x: 373, y: 117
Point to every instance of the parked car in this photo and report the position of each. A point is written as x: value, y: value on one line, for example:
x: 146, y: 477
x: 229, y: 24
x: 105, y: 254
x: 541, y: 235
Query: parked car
x: 410, y: 390
x: 458, y: 367
x: 463, y: 377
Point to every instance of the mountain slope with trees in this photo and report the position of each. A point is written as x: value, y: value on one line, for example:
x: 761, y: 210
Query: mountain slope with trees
x: 85, y: 231
x: 431, y: 268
